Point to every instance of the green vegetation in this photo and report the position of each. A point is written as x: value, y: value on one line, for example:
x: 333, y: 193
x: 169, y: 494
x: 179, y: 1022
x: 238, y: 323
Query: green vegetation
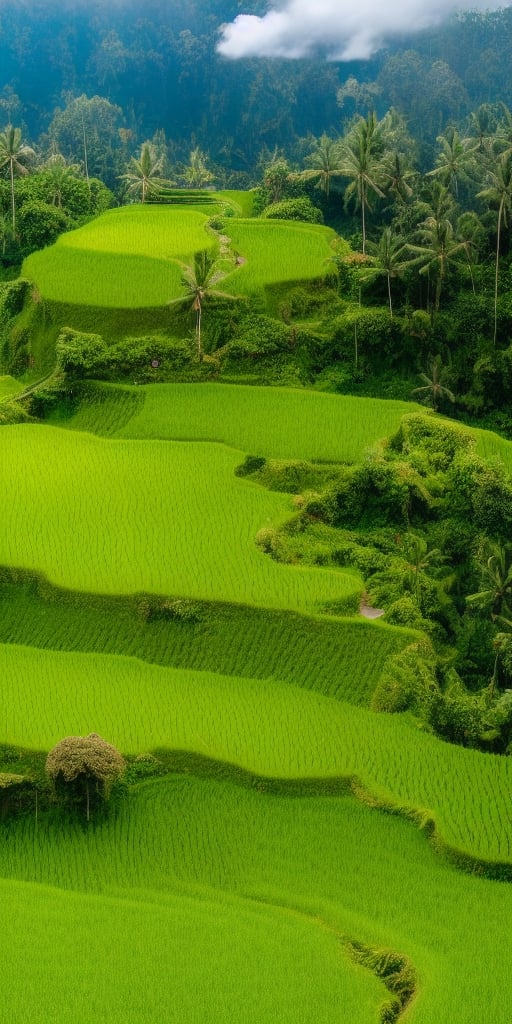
x: 283, y: 424
x: 122, y: 501
x: 327, y: 863
x: 183, y: 567
x: 300, y: 736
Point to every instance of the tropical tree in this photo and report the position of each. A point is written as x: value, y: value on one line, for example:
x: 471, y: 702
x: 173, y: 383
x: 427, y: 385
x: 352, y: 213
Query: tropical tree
x: 84, y: 769
x: 361, y: 160
x: 58, y: 174
x: 438, y: 247
x: 143, y: 174
x: 196, y: 173
x: 389, y: 255
x: 498, y: 193
x: 432, y: 391
x: 495, y: 594
x: 200, y: 282
x: 14, y: 155
x: 456, y: 160
x: 419, y: 560
x: 324, y: 164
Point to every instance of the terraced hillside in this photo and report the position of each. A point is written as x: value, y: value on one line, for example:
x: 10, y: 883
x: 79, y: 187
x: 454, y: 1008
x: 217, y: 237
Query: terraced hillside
x: 131, y: 257
x: 279, y: 852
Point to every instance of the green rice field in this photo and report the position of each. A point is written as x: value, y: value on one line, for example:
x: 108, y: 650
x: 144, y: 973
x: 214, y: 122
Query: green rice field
x: 265, y: 727
x: 202, y: 857
x: 302, y: 859
x: 130, y: 257
x: 126, y: 516
x: 277, y: 252
x: 275, y: 422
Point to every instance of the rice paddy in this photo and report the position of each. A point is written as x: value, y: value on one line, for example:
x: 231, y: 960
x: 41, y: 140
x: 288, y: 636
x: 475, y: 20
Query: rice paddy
x: 266, y: 727
x: 127, y: 516
x: 302, y: 866
x: 130, y: 257
x: 136, y: 603
x: 278, y: 423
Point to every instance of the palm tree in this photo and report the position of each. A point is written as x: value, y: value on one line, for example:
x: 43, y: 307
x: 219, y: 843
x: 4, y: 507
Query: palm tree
x: 499, y: 193
x: 419, y: 559
x: 197, y: 174
x: 495, y: 595
x: 143, y: 174
x: 438, y: 244
x: 388, y: 253
x: 361, y: 154
x: 455, y: 160
x: 324, y: 164
x: 200, y: 281
x: 13, y: 154
x: 432, y: 391
x: 59, y: 173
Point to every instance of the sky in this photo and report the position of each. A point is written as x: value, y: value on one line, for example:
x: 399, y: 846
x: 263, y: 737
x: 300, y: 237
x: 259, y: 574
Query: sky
x: 338, y: 29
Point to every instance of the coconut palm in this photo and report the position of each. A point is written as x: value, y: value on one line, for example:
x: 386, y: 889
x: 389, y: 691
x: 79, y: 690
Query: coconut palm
x: 495, y: 595
x: 200, y: 282
x: 389, y: 255
x: 197, y: 174
x: 499, y: 194
x: 432, y: 391
x: 455, y: 161
x: 438, y: 246
x: 59, y: 173
x: 361, y: 160
x: 419, y: 560
x: 14, y: 154
x: 143, y: 174
x: 324, y: 164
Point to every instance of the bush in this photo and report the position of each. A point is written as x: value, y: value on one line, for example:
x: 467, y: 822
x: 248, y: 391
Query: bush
x: 40, y: 224
x: 294, y: 209
x: 259, y: 336
x: 83, y: 769
x: 79, y: 354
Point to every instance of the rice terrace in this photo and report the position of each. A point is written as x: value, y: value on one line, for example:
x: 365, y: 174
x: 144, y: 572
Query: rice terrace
x: 313, y: 819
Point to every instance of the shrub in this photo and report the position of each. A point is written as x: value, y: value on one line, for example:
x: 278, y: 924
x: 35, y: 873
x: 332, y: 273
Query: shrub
x: 83, y: 769
x: 40, y: 224
x: 294, y: 209
x: 80, y: 354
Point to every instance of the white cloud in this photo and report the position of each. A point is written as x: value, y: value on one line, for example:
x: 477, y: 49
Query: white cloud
x: 340, y: 29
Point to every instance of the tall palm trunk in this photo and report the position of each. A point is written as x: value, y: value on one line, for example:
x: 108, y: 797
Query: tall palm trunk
x: 500, y: 214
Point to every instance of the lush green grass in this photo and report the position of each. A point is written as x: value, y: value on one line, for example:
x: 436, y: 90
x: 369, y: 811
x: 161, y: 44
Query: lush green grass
x: 163, y: 517
x: 179, y: 959
x: 492, y: 446
x: 341, y: 658
x: 263, y: 726
x: 9, y: 387
x: 277, y: 251
x: 367, y: 875
x: 274, y: 422
x: 130, y: 257
x: 126, y: 258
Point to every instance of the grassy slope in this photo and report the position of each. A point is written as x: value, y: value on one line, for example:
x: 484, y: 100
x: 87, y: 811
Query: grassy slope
x: 125, y: 516
x: 130, y: 257
x: 275, y: 422
x: 125, y: 258
x: 181, y: 960
x: 312, y: 652
x: 277, y: 251
x: 263, y: 726
x: 367, y: 875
